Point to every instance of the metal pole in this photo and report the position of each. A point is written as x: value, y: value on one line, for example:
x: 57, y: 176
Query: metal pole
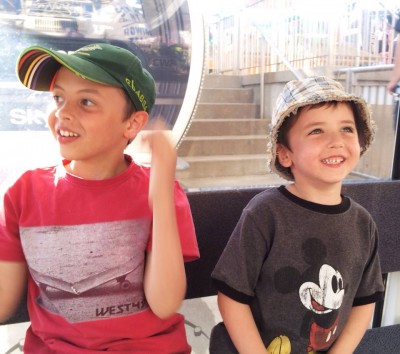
x: 236, y: 43
x: 396, y: 152
x: 262, y: 73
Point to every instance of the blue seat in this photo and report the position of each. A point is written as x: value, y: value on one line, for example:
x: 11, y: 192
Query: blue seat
x: 380, y: 340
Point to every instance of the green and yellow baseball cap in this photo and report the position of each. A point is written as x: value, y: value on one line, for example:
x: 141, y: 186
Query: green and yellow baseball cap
x: 100, y: 62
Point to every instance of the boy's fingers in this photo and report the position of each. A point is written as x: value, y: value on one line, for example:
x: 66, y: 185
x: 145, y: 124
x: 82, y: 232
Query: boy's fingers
x: 158, y: 124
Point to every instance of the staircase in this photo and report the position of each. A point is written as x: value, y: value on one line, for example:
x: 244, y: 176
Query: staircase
x: 226, y: 142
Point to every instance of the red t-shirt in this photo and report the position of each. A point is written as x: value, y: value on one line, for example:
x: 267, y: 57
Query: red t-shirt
x: 85, y: 243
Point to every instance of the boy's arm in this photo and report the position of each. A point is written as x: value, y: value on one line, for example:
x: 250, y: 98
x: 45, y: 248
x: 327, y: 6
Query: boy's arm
x: 395, y: 75
x: 13, y: 279
x: 354, y: 329
x: 165, y: 278
x: 240, y: 324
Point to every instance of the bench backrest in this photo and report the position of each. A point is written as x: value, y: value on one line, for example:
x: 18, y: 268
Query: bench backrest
x: 216, y: 212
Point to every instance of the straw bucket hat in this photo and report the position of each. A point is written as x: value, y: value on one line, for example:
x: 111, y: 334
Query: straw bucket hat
x: 310, y: 91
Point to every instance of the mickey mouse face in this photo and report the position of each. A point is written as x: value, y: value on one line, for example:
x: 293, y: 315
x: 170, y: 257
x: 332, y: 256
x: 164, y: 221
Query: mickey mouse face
x: 327, y: 295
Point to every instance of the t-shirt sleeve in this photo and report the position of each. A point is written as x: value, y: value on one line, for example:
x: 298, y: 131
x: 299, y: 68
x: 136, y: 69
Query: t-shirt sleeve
x: 237, y: 271
x: 371, y: 285
x: 185, y: 223
x: 10, y: 243
x: 186, y: 228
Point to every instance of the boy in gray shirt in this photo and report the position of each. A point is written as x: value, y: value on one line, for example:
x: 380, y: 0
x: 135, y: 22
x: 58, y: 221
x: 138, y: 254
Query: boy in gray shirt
x: 301, y: 273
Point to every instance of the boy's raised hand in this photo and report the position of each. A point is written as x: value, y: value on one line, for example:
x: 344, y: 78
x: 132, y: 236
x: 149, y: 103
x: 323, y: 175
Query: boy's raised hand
x: 159, y: 139
x: 164, y: 279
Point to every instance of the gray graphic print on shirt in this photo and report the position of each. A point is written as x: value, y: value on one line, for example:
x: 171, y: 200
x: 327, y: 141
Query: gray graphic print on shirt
x: 91, y: 271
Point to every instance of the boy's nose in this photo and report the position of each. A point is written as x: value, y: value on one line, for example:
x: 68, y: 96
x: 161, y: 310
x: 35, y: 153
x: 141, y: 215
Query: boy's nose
x: 64, y: 111
x: 336, y: 141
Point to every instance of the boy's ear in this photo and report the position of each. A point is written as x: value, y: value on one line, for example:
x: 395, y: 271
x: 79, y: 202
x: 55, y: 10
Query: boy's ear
x: 135, y: 124
x: 283, y: 155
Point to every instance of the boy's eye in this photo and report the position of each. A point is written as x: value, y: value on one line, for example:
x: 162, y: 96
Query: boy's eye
x: 87, y: 102
x: 57, y: 99
x: 348, y: 129
x: 315, y: 131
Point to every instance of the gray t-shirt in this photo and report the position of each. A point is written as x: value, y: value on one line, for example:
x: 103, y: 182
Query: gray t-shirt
x: 301, y: 266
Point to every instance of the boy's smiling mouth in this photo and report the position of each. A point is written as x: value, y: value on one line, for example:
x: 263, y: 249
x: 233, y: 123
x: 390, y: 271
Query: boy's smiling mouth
x: 333, y: 160
x: 67, y: 134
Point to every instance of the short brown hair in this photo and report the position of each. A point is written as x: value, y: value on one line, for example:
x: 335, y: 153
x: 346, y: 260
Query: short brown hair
x: 291, y: 120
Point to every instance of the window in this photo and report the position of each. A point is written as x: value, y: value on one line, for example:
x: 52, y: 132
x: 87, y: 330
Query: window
x: 158, y: 32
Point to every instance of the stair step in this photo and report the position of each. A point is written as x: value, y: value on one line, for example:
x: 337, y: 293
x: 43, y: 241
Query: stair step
x: 223, y: 145
x: 222, y: 81
x: 226, y: 138
x: 227, y: 126
x: 223, y: 165
x: 226, y: 95
x: 230, y: 110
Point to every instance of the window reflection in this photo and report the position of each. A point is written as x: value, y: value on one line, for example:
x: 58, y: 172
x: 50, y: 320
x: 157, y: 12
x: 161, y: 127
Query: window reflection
x: 159, y: 32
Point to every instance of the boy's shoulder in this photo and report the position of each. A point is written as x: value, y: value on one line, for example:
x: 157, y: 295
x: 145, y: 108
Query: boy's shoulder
x: 37, y: 172
x: 359, y: 208
x: 15, y: 178
x: 11, y: 175
x: 266, y: 199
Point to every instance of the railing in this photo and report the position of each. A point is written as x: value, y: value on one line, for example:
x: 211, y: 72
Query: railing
x: 370, y: 83
x: 275, y: 35
x: 279, y: 35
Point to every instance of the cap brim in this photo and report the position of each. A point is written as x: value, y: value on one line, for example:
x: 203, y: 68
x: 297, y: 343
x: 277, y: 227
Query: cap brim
x: 37, y: 66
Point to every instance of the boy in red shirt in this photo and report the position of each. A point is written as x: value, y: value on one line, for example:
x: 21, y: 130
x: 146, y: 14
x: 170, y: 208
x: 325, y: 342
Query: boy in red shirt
x: 98, y: 241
